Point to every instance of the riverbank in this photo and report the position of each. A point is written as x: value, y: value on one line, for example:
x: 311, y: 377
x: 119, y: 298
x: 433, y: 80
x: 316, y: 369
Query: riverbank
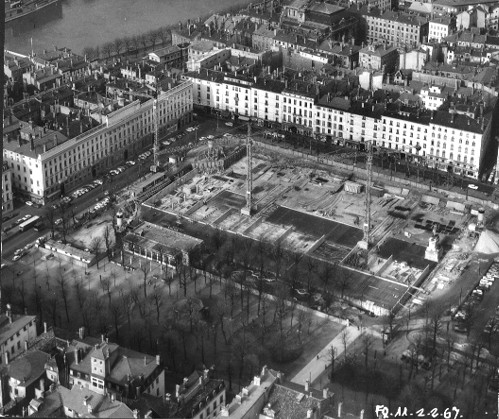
x: 146, y: 42
x: 80, y: 24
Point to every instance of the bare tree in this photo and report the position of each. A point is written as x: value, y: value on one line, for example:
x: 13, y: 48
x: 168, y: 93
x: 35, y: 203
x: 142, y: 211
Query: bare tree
x: 118, y: 46
x: 182, y: 271
x: 107, y: 242
x: 89, y: 53
x: 51, y: 218
x: 367, y: 342
x: 65, y: 214
x: 165, y: 35
x: 152, y: 37
x: 127, y: 44
x: 64, y: 290
x: 136, y: 43
x: 344, y: 279
x: 106, y: 287
x: 22, y: 293
x: 80, y: 292
x: 144, y: 40
x: 115, y: 310
x: 344, y: 340
x: 326, y: 274
x: 157, y: 299
x: 281, y: 298
x: 332, y: 358
x: 310, y: 263
x: 277, y: 253
x: 95, y: 246
x: 107, y: 49
x: 126, y: 302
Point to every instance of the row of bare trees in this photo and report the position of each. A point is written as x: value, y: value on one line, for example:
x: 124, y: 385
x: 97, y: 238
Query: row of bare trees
x: 129, y: 45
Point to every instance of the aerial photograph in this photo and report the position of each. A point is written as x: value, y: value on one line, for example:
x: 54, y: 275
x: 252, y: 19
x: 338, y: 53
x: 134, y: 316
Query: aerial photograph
x: 250, y: 209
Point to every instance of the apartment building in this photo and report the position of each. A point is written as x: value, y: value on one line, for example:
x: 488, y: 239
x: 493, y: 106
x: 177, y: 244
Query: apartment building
x: 16, y: 331
x: 171, y: 56
x: 21, y: 377
x: 7, y: 196
x: 434, y: 96
x: 396, y: 28
x: 105, y: 367
x: 379, y: 57
x: 438, y: 137
x: 298, y: 108
x: 439, y: 28
x: 50, y: 163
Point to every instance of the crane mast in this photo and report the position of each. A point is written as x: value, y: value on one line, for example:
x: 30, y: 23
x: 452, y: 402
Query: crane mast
x: 364, y: 244
x: 249, y: 175
x: 155, y: 166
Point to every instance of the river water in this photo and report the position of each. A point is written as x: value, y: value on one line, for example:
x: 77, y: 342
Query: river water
x: 77, y: 24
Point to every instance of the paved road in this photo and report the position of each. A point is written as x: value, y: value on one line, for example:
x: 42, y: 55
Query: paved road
x: 316, y: 366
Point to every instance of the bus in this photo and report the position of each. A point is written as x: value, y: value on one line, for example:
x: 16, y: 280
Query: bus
x: 29, y: 223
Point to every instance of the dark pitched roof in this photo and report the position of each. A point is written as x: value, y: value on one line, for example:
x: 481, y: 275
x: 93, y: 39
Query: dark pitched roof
x: 28, y: 367
x: 290, y: 401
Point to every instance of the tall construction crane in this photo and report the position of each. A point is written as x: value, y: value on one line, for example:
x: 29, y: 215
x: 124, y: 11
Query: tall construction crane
x: 364, y: 244
x: 155, y: 111
x: 249, y: 175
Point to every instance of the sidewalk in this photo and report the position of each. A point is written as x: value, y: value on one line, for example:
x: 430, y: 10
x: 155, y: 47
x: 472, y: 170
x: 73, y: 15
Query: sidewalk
x: 317, y: 365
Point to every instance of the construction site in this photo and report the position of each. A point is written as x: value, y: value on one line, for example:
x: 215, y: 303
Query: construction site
x: 389, y: 238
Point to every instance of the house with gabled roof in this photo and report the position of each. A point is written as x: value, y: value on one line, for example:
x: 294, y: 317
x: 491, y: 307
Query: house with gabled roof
x: 76, y: 402
x: 20, y: 377
x: 106, y: 367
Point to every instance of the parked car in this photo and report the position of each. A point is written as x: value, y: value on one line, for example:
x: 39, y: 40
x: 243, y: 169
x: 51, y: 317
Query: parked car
x: 301, y: 291
x: 98, y: 181
x: 58, y: 221
x: 229, y: 124
x: 29, y: 203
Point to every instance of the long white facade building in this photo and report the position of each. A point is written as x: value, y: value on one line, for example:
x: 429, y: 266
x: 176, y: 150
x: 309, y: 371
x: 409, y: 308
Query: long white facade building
x: 49, y: 164
x: 436, y: 138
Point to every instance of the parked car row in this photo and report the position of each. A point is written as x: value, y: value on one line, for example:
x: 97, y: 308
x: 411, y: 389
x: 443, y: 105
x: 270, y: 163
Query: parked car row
x: 474, y: 299
x: 145, y: 155
x: 100, y: 205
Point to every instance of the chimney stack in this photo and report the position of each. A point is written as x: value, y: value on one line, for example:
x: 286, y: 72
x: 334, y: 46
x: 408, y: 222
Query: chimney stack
x: 81, y: 332
x: 307, y: 384
x: 158, y: 359
x: 6, y: 358
x: 44, y: 323
x: 145, y: 361
x: 31, y: 143
x: 77, y: 356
